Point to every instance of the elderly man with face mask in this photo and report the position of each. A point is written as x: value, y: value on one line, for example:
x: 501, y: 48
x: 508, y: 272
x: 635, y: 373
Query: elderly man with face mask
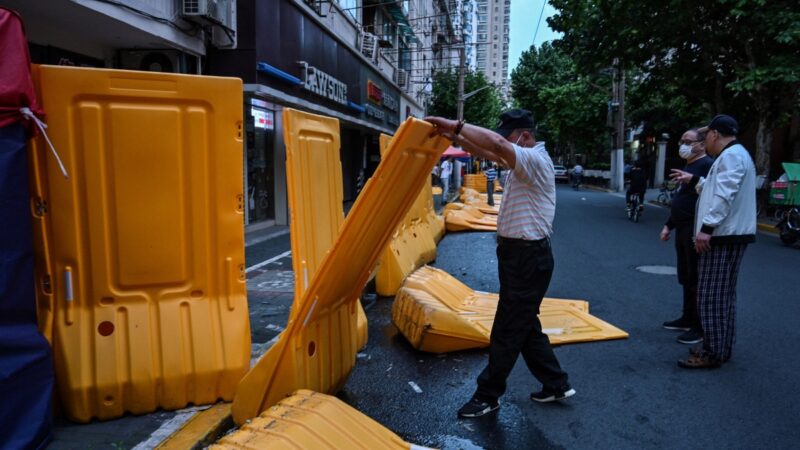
x: 524, y: 256
x: 725, y: 224
x: 681, y: 219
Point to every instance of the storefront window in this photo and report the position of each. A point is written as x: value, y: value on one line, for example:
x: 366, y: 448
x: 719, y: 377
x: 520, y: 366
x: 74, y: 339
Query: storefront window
x: 260, y: 164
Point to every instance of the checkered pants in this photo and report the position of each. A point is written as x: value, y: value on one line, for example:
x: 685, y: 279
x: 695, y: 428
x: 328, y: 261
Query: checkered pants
x: 718, y: 270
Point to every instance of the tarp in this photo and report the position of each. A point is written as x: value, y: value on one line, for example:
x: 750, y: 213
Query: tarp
x: 16, y: 85
x: 26, y: 367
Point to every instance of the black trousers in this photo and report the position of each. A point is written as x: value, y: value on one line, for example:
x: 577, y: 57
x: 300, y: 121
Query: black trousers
x: 525, y: 269
x: 687, y: 273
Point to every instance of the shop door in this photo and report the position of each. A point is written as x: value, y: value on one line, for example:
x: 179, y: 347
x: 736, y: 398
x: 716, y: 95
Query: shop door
x: 260, y: 147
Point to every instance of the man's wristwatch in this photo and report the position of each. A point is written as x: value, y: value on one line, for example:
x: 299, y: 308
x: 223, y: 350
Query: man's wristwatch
x: 459, y: 126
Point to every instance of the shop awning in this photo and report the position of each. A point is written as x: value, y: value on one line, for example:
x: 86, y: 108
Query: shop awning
x: 402, y: 22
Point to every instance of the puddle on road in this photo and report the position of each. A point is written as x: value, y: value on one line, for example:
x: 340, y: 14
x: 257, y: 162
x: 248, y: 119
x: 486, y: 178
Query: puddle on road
x: 658, y: 270
x: 447, y: 442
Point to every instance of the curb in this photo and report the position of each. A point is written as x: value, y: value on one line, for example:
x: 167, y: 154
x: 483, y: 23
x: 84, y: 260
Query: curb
x: 201, y: 430
x: 767, y: 228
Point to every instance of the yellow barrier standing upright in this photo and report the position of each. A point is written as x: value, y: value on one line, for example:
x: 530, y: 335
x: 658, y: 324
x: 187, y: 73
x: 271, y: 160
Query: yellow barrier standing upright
x: 317, y: 349
x: 314, y: 177
x: 142, y: 247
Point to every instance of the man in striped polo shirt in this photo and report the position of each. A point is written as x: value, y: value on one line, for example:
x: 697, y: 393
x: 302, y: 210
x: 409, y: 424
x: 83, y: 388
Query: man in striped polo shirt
x: 524, y: 256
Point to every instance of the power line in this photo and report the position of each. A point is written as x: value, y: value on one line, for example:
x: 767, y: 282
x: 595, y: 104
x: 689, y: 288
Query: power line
x: 541, y: 13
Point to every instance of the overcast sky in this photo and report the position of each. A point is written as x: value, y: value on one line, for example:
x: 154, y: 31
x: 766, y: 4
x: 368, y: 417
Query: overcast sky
x: 524, y: 14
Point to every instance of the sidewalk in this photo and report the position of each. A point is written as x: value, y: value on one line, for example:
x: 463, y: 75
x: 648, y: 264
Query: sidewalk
x: 765, y: 224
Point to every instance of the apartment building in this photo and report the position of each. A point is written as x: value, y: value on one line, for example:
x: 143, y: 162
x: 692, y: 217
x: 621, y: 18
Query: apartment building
x: 491, y: 39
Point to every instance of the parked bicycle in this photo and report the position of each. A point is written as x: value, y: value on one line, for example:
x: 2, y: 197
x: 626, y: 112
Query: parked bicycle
x: 667, y: 193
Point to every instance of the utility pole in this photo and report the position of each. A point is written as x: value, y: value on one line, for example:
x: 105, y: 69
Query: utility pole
x: 461, y: 64
x: 618, y: 153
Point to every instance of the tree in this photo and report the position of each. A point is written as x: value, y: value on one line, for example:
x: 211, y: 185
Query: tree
x: 482, y: 109
x: 734, y: 56
x: 569, y: 108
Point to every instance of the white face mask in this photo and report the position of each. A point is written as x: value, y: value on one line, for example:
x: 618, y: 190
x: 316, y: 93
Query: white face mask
x: 685, y: 151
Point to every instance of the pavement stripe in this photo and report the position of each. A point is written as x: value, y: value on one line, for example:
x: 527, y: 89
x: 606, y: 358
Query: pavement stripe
x: 167, y: 428
x: 269, y: 261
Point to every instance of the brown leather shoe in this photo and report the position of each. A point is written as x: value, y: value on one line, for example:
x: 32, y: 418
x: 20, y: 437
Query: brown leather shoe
x: 696, y: 351
x: 699, y: 362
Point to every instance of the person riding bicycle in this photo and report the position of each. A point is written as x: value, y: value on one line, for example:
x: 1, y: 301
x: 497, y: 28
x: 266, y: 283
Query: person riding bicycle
x: 577, y: 175
x: 638, y: 185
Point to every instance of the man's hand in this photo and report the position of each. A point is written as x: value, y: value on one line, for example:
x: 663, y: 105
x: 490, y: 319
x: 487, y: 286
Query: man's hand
x: 681, y: 176
x: 664, y: 233
x: 702, y: 242
x: 442, y: 127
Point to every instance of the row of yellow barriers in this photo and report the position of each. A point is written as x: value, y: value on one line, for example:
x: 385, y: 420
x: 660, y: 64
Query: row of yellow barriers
x: 140, y: 252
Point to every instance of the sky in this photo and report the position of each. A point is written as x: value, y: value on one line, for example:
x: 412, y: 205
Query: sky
x: 524, y: 14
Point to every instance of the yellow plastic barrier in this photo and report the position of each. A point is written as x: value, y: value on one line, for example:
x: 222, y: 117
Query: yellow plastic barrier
x: 461, y: 217
x: 413, y: 243
x: 477, y: 182
x: 473, y: 198
x: 437, y: 313
x: 317, y: 349
x: 310, y: 420
x: 314, y: 174
x: 142, y: 248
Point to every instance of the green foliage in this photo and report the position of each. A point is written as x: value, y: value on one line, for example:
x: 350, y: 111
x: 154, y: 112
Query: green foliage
x: 569, y: 108
x: 741, y: 57
x: 482, y: 109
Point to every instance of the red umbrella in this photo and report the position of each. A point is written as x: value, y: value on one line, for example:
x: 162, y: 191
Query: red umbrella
x: 455, y: 152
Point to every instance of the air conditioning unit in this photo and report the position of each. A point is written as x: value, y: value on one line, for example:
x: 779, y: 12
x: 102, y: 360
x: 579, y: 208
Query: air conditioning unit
x: 369, y: 46
x: 220, y: 13
x: 401, y: 78
x: 168, y: 60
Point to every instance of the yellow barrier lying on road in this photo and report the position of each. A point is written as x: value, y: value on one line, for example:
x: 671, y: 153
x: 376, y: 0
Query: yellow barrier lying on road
x: 310, y: 420
x: 413, y: 243
x: 461, y: 217
x: 437, y: 313
x: 140, y: 253
x: 318, y: 348
x: 481, y: 201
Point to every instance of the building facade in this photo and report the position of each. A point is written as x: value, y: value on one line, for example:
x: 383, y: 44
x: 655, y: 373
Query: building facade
x: 368, y: 63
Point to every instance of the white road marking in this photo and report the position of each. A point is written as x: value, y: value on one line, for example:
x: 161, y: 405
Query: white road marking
x: 271, y: 260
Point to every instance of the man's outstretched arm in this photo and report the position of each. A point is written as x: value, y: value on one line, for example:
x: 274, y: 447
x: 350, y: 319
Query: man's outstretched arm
x: 478, y: 141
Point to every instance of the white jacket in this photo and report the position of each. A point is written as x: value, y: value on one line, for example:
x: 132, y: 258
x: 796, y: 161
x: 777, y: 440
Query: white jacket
x: 726, y: 208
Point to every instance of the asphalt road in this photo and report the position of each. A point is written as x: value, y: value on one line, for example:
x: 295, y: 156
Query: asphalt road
x: 630, y: 393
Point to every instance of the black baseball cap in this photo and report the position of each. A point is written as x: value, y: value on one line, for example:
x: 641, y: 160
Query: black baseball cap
x: 723, y: 123
x: 514, y: 119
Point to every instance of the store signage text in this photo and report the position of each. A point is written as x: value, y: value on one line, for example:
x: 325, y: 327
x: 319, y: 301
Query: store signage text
x: 323, y: 84
x: 262, y: 119
x: 374, y: 92
x: 374, y: 112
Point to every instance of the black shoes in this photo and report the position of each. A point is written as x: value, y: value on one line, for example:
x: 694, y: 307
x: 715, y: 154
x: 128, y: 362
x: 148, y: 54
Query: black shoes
x: 678, y: 324
x: 691, y: 337
x: 476, y: 408
x: 547, y: 395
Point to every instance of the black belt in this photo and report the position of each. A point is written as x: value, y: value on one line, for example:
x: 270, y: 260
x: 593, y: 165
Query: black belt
x: 522, y: 242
